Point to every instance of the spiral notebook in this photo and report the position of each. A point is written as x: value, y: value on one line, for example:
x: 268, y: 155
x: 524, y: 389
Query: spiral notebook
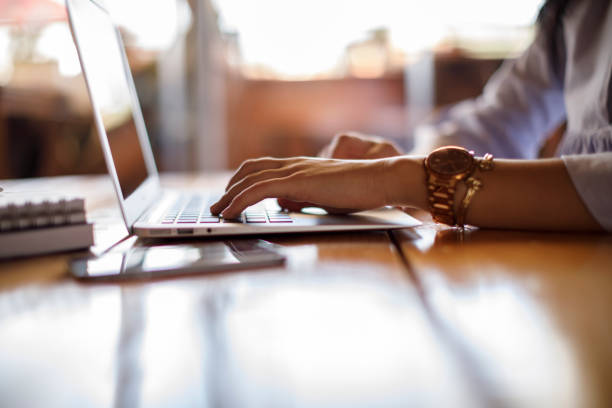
x: 31, y: 224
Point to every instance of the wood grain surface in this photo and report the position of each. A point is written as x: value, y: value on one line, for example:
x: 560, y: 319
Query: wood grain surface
x: 490, y: 318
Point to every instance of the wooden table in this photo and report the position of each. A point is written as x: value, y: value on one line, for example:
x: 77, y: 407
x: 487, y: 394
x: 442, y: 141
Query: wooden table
x: 422, y: 317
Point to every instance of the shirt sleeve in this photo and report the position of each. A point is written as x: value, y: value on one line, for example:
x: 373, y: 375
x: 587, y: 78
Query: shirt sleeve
x: 592, y: 178
x: 520, y: 105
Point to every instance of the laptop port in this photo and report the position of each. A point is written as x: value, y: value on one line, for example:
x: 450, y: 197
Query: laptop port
x: 160, y: 231
x: 185, y: 231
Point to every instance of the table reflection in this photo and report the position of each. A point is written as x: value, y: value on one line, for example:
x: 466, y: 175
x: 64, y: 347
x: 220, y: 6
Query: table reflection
x: 526, y: 309
x: 330, y: 342
x: 51, y: 336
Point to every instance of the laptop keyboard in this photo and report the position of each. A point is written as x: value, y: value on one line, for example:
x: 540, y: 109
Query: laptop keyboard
x: 194, y: 209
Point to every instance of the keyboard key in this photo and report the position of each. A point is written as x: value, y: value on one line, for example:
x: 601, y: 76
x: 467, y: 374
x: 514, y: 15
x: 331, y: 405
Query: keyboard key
x: 232, y: 221
x: 209, y: 220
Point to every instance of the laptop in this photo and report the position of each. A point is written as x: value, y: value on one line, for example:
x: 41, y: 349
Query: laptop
x: 147, y: 209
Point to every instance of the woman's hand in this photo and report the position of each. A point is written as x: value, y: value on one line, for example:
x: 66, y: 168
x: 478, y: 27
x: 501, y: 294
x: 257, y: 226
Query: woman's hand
x: 338, y: 185
x: 353, y: 146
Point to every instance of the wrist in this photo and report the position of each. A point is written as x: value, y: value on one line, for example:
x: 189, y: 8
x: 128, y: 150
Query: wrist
x: 403, y: 180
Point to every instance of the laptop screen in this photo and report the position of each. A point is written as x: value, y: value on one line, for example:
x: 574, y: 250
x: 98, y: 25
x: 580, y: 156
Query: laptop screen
x: 102, y: 59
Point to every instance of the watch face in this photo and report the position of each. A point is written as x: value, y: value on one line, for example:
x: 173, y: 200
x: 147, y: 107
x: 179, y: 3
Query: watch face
x: 450, y: 160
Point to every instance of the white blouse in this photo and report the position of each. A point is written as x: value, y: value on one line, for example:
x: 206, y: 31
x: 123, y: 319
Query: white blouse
x: 526, y: 99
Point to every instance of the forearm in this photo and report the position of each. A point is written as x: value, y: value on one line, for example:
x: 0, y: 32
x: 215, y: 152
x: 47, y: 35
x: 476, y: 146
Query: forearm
x: 517, y: 194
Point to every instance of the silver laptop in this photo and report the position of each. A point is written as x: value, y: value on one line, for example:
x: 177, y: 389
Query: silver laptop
x: 148, y: 210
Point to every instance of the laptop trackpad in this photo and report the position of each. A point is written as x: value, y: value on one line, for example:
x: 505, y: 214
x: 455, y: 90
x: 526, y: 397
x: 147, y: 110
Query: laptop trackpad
x: 380, y: 216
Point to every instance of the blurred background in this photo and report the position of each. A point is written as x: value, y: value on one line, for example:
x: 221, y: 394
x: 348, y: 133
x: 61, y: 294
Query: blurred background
x: 220, y: 81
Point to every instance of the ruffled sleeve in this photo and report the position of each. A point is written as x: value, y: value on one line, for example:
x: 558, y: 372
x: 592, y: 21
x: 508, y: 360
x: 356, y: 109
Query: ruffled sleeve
x: 592, y: 178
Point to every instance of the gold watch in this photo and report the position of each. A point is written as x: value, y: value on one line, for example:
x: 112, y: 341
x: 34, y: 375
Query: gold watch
x: 444, y: 168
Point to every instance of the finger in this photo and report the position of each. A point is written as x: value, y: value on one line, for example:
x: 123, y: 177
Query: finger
x: 351, y: 146
x: 338, y: 211
x: 257, y: 192
x: 325, y: 151
x: 246, y: 183
x: 254, y: 165
x: 383, y: 150
x: 330, y: 149
x: 338, y: 145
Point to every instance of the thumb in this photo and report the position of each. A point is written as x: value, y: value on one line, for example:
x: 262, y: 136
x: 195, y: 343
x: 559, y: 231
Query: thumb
x: 293, y: 205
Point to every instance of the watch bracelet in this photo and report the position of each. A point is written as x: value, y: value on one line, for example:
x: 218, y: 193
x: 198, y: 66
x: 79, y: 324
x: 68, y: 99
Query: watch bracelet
x: 473, y: 184
x: 442, y: 212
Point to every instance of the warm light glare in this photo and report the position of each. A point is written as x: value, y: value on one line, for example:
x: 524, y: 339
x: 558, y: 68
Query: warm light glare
x: 55, y: 43
x: 62, y: 335
x: 166, y: 20
x: 305, y: 38
x: 6, y: 62
x: 505, y: 325
x: 105, y: 64
x: 171, y: 349
x: 151, y: 24
x: 349, y: 342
